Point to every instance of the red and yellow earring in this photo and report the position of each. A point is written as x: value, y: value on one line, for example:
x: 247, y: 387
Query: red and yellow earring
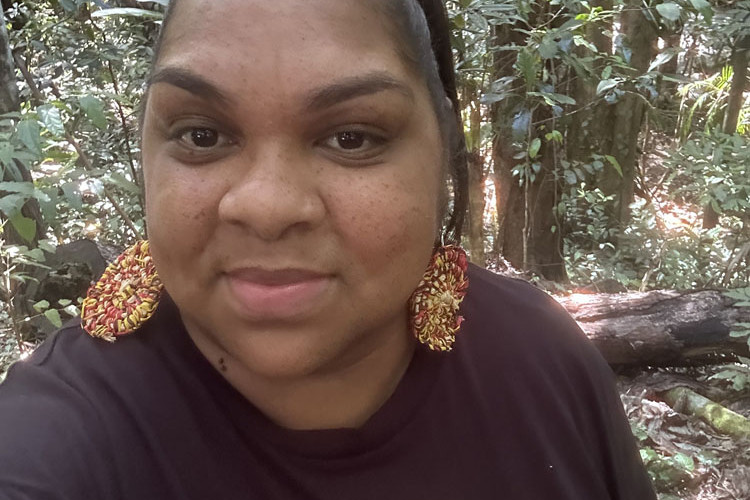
x: 433, y: 306
x: 125, y: 296
x: 128, y: 292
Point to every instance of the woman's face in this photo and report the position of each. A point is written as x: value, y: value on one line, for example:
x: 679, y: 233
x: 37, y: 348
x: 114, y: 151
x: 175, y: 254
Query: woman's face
x: 292, y: 163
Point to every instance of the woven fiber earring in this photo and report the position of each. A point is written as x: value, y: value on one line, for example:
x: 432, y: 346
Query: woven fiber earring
x: 434, y: 304
x: 124, y: 297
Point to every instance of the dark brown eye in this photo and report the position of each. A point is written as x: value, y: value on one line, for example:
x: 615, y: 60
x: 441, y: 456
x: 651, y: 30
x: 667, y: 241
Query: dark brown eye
x: 350, y: 140
x: 204, y: 137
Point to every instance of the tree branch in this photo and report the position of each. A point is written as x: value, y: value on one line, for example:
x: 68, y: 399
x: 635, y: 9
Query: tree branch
x: 88, y: 164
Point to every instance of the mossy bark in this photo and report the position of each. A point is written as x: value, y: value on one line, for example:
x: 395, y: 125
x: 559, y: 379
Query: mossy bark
x: 717, y: 416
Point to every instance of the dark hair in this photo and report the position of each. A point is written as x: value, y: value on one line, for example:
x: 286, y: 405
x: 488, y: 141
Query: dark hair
x: 424, y: 30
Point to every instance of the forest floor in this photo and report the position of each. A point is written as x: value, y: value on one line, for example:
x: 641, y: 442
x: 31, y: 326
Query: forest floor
x: 687, y: 458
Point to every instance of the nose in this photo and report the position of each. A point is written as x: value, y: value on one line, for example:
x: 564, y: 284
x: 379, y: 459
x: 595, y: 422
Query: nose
x: 272, y: 194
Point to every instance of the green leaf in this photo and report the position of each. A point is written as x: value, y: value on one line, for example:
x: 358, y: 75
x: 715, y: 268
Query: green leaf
x: 25, y: 227
x: 41, y: 306
x: 548, y: 48
x: 606, y: 73
x: 684, y: 461
x: 616, y: 164
x: 69, y: 5
x: 11, y: 204
x: 70, y: 190
x: 94, y: 109
x: 28, y: 132
x: 662, y: 58
x: 534, y: 147
x: 24, y: 188
x: 606, y: 85
x: 555, y: 135
x: 50, y: 116
x: 699, y: 5
x: 563, y: 99
x: 119, y: 180
x: 64, y: 302
x: 54, y: 317
x: 72, y: 310
x: 705, y: 8
x: 36, y: 255
x: 669, y: 11
x: 47, y: 246
x: 528, y: 65
x: 128, y: 11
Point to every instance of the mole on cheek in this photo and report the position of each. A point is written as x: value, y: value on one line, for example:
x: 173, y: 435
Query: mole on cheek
x: 222, y: 365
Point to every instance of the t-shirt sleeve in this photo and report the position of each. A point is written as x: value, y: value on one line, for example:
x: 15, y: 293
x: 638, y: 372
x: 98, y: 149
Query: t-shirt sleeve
x: 50, y: 439
x: 627, y: 477
x: 608, y: 426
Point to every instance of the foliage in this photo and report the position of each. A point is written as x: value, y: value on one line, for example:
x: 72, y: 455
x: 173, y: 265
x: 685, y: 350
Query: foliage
x: 80, y: 123
x: 709, y: 98
x: 76, y: 133
x: 713, y: 169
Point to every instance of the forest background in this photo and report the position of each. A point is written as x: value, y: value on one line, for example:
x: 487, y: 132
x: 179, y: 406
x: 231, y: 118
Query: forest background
x: 608, y: 145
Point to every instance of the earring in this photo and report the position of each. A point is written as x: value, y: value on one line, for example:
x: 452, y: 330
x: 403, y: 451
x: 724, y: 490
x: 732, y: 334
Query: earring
x: 124, y: 297
x: 434, y: 304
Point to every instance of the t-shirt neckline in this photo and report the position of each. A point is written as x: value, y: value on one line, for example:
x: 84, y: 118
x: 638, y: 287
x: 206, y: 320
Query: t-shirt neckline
x: 401, y: 408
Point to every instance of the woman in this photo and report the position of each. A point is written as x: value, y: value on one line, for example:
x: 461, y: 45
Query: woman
x: 295, y: 154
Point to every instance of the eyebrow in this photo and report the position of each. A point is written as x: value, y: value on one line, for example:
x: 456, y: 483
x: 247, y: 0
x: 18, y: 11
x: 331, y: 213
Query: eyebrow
x: 358, y: 86
x: 319, y: 99
x: 189, y: 81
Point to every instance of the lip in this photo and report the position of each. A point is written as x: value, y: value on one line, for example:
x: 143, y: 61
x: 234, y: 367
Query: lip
x: 264, y: 294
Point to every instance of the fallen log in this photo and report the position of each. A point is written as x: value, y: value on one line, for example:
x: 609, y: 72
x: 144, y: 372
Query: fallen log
x: 724, y: 420
x: 661, y: 328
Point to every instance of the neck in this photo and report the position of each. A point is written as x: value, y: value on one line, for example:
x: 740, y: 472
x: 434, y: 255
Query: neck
x: 344, y: 396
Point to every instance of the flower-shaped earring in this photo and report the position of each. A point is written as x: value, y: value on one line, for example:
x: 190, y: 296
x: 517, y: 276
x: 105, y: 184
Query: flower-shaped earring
x: 124, y: 297
x: 434, y: 304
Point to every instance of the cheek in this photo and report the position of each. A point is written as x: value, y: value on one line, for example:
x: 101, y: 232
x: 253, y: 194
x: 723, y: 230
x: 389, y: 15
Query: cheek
x: 387, y: 221
x: 180, y: 206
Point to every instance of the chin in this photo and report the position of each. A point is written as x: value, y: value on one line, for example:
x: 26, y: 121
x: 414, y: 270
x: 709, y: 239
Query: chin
x: 280, y: 353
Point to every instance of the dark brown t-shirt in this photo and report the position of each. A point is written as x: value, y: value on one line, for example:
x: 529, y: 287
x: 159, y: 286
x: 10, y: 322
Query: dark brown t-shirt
x: 522, y: 408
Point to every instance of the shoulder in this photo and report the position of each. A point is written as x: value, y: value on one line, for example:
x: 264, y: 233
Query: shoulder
x: 50, y: 427
x: 507, y: 308
x: 514, y: 329
x: 62, y: 409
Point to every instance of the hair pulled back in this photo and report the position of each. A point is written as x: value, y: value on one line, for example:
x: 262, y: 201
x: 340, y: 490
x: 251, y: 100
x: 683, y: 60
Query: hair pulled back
x: 423, y: 29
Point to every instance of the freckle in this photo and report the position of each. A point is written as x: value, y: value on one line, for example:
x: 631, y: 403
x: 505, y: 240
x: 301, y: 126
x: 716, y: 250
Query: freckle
x: 222, y: 365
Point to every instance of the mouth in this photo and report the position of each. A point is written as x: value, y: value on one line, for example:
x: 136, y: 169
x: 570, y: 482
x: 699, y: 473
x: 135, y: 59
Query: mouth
x: 265, y: 294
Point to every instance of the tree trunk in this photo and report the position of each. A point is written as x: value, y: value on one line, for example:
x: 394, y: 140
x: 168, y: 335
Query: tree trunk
x: 732, y: 114
x: 8, y: 90
x: 583, y: 134
x: 525, y: 212
x: 9, y: 101
x: 660, y: 328
x: 626, y: 116
x: 476, y: 177
x: 530, y: 216
x: 739, y: 82
x: 501, y: 115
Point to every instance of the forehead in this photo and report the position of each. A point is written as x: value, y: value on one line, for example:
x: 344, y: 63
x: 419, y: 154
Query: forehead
x: 283, y: 37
